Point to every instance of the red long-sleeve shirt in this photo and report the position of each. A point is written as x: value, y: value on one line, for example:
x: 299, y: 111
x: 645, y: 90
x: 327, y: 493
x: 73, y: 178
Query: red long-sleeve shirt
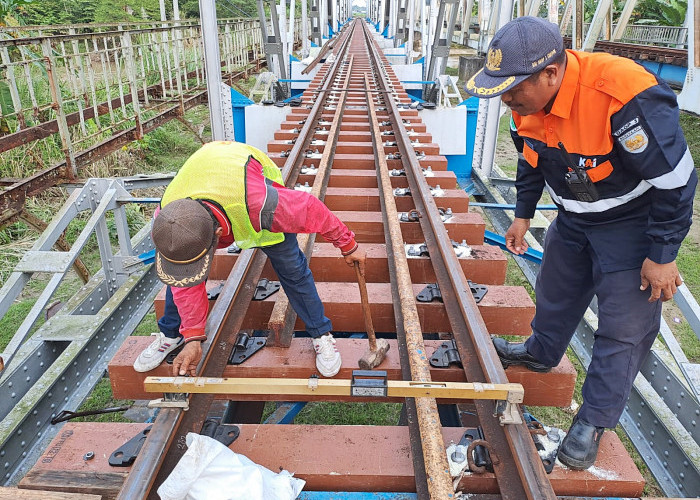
x: 296, y: 212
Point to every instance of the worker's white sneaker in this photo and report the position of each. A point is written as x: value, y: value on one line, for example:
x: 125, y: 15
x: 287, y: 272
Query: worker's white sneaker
x: 327, y: 356
x: 153, y: 355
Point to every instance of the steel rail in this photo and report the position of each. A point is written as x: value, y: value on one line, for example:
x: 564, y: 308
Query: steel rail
x: 669, y: 55
x: 512, y: 443
x: 282, y: 318
x: 166, y: 442
x: 432, y: 443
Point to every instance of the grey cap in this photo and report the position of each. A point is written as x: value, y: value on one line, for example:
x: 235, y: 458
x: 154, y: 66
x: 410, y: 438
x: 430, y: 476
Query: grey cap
x: 185, y: 238
x: 519, y: 49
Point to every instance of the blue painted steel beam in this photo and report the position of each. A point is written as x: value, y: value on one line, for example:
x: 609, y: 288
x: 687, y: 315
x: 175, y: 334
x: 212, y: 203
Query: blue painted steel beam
x: 285, y: 413
x: 499, y: 241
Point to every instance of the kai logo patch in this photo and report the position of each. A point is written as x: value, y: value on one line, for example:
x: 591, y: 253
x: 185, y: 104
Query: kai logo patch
x: 493, y: 60
x: 587, y: 162
x: 634, y: 141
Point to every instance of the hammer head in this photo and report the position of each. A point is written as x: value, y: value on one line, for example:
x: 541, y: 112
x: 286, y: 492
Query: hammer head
x: 372, y: 359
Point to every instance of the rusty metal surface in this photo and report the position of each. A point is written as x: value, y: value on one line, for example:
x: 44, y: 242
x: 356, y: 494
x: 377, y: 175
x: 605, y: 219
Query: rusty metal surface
x: 282, y: 319
x: 644, y: 52
x: 13, y: 198
x: 140, y: 72
x: 512, y: 442
x: 165, y: 444
x: 432, y: 445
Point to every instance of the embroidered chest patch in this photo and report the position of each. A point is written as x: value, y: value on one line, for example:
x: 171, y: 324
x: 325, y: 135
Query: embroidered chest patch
x: 634, y: 141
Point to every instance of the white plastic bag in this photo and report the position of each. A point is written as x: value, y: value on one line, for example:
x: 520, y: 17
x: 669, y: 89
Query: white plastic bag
x: 211, y: 471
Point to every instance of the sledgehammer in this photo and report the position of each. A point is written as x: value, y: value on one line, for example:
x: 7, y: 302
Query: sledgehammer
x: 377, y: 347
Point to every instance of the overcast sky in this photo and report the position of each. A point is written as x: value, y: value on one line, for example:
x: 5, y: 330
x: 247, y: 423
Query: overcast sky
x: 360, y: 3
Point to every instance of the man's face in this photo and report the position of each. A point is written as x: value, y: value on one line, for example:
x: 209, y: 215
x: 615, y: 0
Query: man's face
x: 531, y: 95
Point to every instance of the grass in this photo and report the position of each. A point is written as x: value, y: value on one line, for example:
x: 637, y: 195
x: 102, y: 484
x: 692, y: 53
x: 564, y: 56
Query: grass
x: 349, y: 414
x: 100, y: 398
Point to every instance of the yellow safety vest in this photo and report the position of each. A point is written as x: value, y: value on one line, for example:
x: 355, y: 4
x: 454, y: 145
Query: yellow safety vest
x: 216, y: 172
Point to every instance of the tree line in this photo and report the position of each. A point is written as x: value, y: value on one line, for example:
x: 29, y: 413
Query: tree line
x: 53, y: 12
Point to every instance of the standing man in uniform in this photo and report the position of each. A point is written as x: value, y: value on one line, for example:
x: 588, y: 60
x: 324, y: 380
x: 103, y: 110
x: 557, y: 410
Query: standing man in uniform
x: 603, y: 136
x: 226, y: 192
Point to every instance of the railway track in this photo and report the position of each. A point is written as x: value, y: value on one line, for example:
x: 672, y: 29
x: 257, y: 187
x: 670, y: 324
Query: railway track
x: 359, y: 86
x: 359, y: 146
x: 640, y: 52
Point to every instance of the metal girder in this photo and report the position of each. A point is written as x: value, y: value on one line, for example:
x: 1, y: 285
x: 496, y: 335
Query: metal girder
x: 57, y: 367
x: 315, y: 18
x: 599, y: 18
x: 274, y: 46
x: 440, y: 49
x: 401, y: 22
x: 489, y: 112
x: 624, y: 19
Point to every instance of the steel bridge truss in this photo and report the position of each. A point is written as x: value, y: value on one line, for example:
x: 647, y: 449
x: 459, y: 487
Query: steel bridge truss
x: 52, y: 365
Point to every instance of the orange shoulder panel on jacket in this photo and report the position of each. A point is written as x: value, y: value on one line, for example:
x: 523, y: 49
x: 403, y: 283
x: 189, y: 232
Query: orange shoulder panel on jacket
x: 619, y: 77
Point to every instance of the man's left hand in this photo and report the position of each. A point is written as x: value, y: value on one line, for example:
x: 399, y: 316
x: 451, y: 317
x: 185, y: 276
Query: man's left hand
x: 663, y: 278
x: 358, y: 256
x: 186, y: 362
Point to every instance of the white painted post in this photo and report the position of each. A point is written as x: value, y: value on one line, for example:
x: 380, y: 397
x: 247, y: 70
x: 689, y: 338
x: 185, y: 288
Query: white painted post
x: 553, y: 11
x: 489, y: 113
x: 423, y: 34
x: 304, y: 29
x: 601, y: 13
x: 411, y: 26
x: 335, y: 14
x: 176, y: 10
x: 625, y: 19
x: 382, y: 7
x: 163, y: 15
x: 534, y: 7
x: 212, y: 63
x: 292, y: 32
x: 282, y: 19
x: 434, y: 10
x: 689, y: 98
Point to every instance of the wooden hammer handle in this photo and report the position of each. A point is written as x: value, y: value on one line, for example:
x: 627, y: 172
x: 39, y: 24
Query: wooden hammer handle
x: 365, y: 308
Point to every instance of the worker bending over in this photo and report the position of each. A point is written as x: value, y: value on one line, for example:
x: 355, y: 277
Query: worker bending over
x: 226, y: 192
x: 624, y: 192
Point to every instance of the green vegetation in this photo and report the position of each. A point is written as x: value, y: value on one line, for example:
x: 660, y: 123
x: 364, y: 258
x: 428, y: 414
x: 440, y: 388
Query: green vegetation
x: 53, y: 12
x: 349, y: 414
x: 100, y: 398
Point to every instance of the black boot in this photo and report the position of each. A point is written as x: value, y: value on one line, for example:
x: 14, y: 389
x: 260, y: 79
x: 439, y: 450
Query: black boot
x: 511, y: 353
x: 579, y: 448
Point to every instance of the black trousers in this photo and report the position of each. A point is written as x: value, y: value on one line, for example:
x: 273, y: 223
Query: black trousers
x: 627, y: 323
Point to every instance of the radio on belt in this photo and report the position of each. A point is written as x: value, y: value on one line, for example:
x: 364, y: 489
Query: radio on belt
x: 368, y: 383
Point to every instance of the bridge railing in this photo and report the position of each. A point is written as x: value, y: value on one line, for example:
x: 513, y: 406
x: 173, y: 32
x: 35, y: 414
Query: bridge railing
x: 90, y: 82
x: 666, y: 36
x: 656, y: 35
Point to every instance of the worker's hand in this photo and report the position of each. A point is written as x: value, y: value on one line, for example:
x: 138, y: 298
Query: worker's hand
x: 359, y: 256
x: 186, y: 362
x: 663, y: 278
x: 515, y: 236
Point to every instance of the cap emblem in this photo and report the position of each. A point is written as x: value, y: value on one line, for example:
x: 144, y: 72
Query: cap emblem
x: 485, y: 91
x: 493, y: 59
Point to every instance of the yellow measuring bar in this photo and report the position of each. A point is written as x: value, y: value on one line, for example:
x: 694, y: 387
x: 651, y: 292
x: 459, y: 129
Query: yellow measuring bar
x: 358, y: 386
